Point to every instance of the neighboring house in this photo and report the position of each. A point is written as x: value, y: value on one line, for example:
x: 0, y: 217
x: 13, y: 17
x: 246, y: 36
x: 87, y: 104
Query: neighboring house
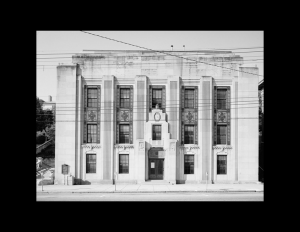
x: 49, y: 104
x: 150, y: 116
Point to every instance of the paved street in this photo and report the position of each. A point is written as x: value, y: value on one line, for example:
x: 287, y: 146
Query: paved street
x: 201, y: 196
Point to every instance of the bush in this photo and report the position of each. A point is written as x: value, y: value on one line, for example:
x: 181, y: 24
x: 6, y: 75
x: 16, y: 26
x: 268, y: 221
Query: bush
x: 40, y: 137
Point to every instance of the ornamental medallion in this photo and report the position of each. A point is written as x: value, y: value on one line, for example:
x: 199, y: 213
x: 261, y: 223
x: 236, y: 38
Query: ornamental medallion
x: 124, y: 115
x: 189, y: 117
x: 92, y: 115
x: 157, y: 116
x: 222, y: 116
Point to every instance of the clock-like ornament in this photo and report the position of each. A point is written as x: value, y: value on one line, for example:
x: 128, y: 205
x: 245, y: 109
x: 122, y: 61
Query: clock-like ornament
x: 157, y: 116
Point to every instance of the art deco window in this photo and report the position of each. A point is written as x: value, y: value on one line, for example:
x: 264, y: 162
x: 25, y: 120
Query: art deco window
x: 188, y: 164
x: 124, y: 110
x: 222, y: 115
x: 124, y: 98
x: 156, y: 133
x: 221, y: 99
x: 189, y: 114
x: 221, y: 134
x: 156, y: 97
x: 189, y: 134
x: 221, y: 164
x: 90, y: 163
x: 124, y: 163
x: 92, y: 97
x: 189, y: 98
x: 124, y: 133
x: 91, y: 133
x: 92, y: 114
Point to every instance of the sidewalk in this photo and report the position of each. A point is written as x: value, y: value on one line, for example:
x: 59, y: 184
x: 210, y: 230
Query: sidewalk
x: 150, y: 188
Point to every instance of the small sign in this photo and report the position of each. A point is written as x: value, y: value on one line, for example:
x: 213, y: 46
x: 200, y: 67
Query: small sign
x: 152, y: 165
x: 65, y: 169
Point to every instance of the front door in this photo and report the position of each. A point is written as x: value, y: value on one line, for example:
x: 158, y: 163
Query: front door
x: 156, y: 169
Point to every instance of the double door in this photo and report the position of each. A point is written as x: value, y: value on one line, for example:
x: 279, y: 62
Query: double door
x: 156, y: 169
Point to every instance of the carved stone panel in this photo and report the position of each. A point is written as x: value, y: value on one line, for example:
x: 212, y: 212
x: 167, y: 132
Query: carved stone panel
x: 222, y: 116
x: 124, y: 115
x: 189, y: 116
x: 91, y: 115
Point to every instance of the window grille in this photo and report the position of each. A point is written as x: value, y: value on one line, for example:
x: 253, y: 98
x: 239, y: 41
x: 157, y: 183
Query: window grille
x: 124, y: 163
x: 189, y: 98
x: 124, y: 133
x: 92, y: 97
x: 221, y: 164
x: 156, y: 132
x: 91, y: 133
x: 124, y: 98
x: 90, y: 163
x: 188, y: 134
x: 188, y: 164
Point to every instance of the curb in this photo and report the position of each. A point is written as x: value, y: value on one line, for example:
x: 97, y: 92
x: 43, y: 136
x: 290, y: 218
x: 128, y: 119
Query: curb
x: 198, y: 191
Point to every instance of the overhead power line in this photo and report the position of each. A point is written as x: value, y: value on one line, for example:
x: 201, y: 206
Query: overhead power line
x: 212, y: 49
x: 164, y: 52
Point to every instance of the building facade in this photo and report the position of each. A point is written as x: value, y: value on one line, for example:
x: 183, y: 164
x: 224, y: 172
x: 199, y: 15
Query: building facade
x: 133, y: 116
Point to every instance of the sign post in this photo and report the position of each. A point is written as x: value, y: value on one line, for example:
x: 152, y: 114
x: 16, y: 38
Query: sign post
x: 64, y: 171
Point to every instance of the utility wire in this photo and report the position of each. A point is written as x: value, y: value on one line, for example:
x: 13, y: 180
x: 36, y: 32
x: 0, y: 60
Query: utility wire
x: 165, y: 53
x: 220, y: 49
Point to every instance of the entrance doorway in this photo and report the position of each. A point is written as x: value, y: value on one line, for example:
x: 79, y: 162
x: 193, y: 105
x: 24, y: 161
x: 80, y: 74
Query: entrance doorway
x: 156, y: 169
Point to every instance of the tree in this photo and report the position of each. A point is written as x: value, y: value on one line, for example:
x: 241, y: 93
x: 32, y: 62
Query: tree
x: 44, y: 118
x: 50, y: 132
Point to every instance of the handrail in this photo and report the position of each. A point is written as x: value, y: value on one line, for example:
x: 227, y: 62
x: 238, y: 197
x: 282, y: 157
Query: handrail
x: 43, y: 146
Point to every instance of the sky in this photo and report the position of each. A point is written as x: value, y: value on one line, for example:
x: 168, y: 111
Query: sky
x: 49, y: 45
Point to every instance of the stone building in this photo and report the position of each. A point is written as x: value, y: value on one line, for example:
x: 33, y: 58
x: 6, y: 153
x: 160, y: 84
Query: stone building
x: 134, y: 116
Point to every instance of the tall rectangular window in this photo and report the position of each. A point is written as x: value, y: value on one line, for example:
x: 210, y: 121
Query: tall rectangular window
x: 221, y: 99
x: 124, y: 98
x: 188, y: 98
x: 221, y: 164
x: 90, y: 163
x: 124, y: 133
x: 156, y: 134
x: 91, y: 133
x: 188, y: 164
x: 189, y: 134
x: 156, y: 97
x: 221, y: 134
x: 124, y: 163
x: 92, y: 97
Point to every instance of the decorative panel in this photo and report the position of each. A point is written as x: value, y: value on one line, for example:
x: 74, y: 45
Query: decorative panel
x: 163, y: 103
x: 131, y: 133
x: 91, y: 115
x: 98, y: 112
x: 85, y: 105
x: 124, y: 116
x: 182, y: 97
x: 118, y: 97
x: 150, y: 98
x: 182, y: 133
x: 189, y: 117
x: 222, y: 116
x: 117, y: 133
x: 215, y: 115
x: 228, y: 113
